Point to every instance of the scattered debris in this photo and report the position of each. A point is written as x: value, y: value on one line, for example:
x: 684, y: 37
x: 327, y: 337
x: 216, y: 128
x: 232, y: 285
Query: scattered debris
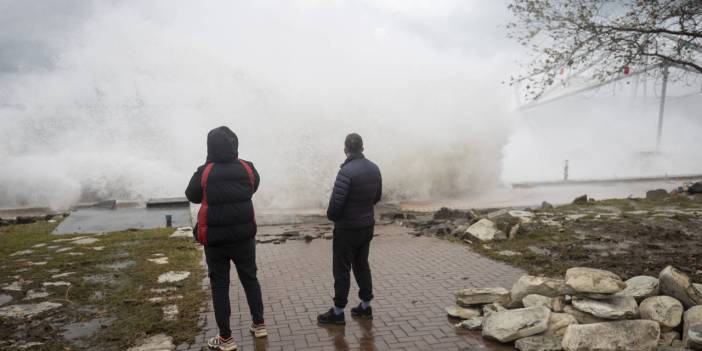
x: 171, y: 277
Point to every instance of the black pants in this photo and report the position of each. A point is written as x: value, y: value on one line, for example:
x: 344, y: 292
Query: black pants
x: 243, y: 254
x: 350, y: 251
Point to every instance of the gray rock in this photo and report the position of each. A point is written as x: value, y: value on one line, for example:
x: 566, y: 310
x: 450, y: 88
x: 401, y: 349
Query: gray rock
x: 558, y: 323
x: 582, y: 317
x: 535, y: 300
x: 546, y: 205
x: 668, y: 338
x: 480, y: 296
x: 582, y: 199
x: 462, y: 313
x: 539, y: 343
x: 635, y: 335
x: 510, y: 325
x: 618, y: 307
x: 472, y: 323
x: 527, y: 285
x: 692, y: 320
x: 29, y: 310
x: 657, y: 194
x: 158, y: 342
x: 493, y: 307
x: 486, y: 230
x: 694, y: 337
x: 677, y: 284
x: 641, y: 287
x: 665, y: 310
x: 591, y: 280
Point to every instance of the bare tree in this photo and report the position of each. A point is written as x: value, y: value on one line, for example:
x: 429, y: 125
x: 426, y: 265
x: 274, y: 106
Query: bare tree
x: 606, y: 38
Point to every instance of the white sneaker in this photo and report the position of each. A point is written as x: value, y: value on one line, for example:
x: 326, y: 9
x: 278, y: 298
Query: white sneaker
x: 259, y: 330
x: 218, y: 343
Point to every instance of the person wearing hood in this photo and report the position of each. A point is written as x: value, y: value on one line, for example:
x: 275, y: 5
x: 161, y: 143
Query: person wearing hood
x: 358, y: 187
x: 226, y: 227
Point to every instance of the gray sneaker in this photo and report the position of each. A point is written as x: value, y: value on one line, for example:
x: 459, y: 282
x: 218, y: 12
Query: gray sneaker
x: 259, y: 330
x: 218, y: 343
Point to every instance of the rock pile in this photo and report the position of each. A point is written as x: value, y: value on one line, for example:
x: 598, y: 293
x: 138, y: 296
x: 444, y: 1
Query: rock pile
x: 591, y: 309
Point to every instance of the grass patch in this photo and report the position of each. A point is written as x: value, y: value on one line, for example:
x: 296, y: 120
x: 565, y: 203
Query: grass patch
x: 120, y: 279
x: 540, y: 237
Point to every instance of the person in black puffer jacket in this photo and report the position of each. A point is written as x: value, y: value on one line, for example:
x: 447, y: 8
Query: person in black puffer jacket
x: 226, y: 228
x: 358, y: 187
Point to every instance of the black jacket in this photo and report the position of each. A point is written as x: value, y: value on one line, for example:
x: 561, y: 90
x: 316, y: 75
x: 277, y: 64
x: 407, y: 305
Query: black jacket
x: 358, y: 187
x: 226, y: 213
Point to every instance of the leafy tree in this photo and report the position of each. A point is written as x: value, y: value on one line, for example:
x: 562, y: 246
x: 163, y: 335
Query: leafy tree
x: 606, y: 38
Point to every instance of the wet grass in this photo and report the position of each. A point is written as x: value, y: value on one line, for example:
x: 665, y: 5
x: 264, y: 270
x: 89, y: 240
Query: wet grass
x: 124, y: 291
x: 542, y: 237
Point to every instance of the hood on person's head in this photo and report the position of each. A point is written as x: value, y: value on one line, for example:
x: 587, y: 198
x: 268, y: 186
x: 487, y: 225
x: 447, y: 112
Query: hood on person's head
x: 222, y: 145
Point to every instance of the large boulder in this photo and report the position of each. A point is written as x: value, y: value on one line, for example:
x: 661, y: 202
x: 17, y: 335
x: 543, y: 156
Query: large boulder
x: 462, y: 313
x: 583, y: 317
x: 617, y: 307
x: 539, y: 343
x: 510, y: 325
x: 665, y: 310
x: 481, y: 296
x: 634, y: 335
x: 677, y: 284
x: 558, y: 323
x: 486, y: 230
x: 591, y: 280
x: 536, y: 300
x: 528, y: 284
x: 641, y: 287
x: 472, y: 323
x: 691, y: 325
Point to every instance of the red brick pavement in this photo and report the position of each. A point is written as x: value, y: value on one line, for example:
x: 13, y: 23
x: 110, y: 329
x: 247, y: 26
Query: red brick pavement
x: 414, y: 278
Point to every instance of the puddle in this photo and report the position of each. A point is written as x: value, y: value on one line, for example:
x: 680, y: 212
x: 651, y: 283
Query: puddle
x: 4, y: 298
x: 170, y: 277
x: 39, y: 245
x: 97, y: 296
x: 40, y: 263
x: 85, y: 329
x: 22, y: 311
x: 98, y: 248
x: 68, y: 239
x: 119, y: 265
x: 64, y: 249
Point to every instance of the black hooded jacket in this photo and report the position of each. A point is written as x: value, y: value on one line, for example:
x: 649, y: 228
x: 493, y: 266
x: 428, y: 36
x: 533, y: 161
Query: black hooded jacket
x: 226, y: 213
x: 358, y: 187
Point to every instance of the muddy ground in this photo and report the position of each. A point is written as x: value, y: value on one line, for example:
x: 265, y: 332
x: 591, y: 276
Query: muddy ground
x: 627, y: 236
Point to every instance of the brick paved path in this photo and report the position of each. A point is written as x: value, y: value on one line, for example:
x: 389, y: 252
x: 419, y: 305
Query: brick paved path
x: 414, y: 278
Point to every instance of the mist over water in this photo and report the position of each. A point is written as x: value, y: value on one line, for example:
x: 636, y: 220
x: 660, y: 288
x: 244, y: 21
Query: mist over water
x: 102, y: 100
x: 122, y: 107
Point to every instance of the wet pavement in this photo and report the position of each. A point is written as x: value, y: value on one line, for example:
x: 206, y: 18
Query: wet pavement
x: 414, y: 280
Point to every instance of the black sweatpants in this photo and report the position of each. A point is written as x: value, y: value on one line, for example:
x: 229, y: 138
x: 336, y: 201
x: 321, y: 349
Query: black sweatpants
x: 350, y: 251
x: 243, y: 254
